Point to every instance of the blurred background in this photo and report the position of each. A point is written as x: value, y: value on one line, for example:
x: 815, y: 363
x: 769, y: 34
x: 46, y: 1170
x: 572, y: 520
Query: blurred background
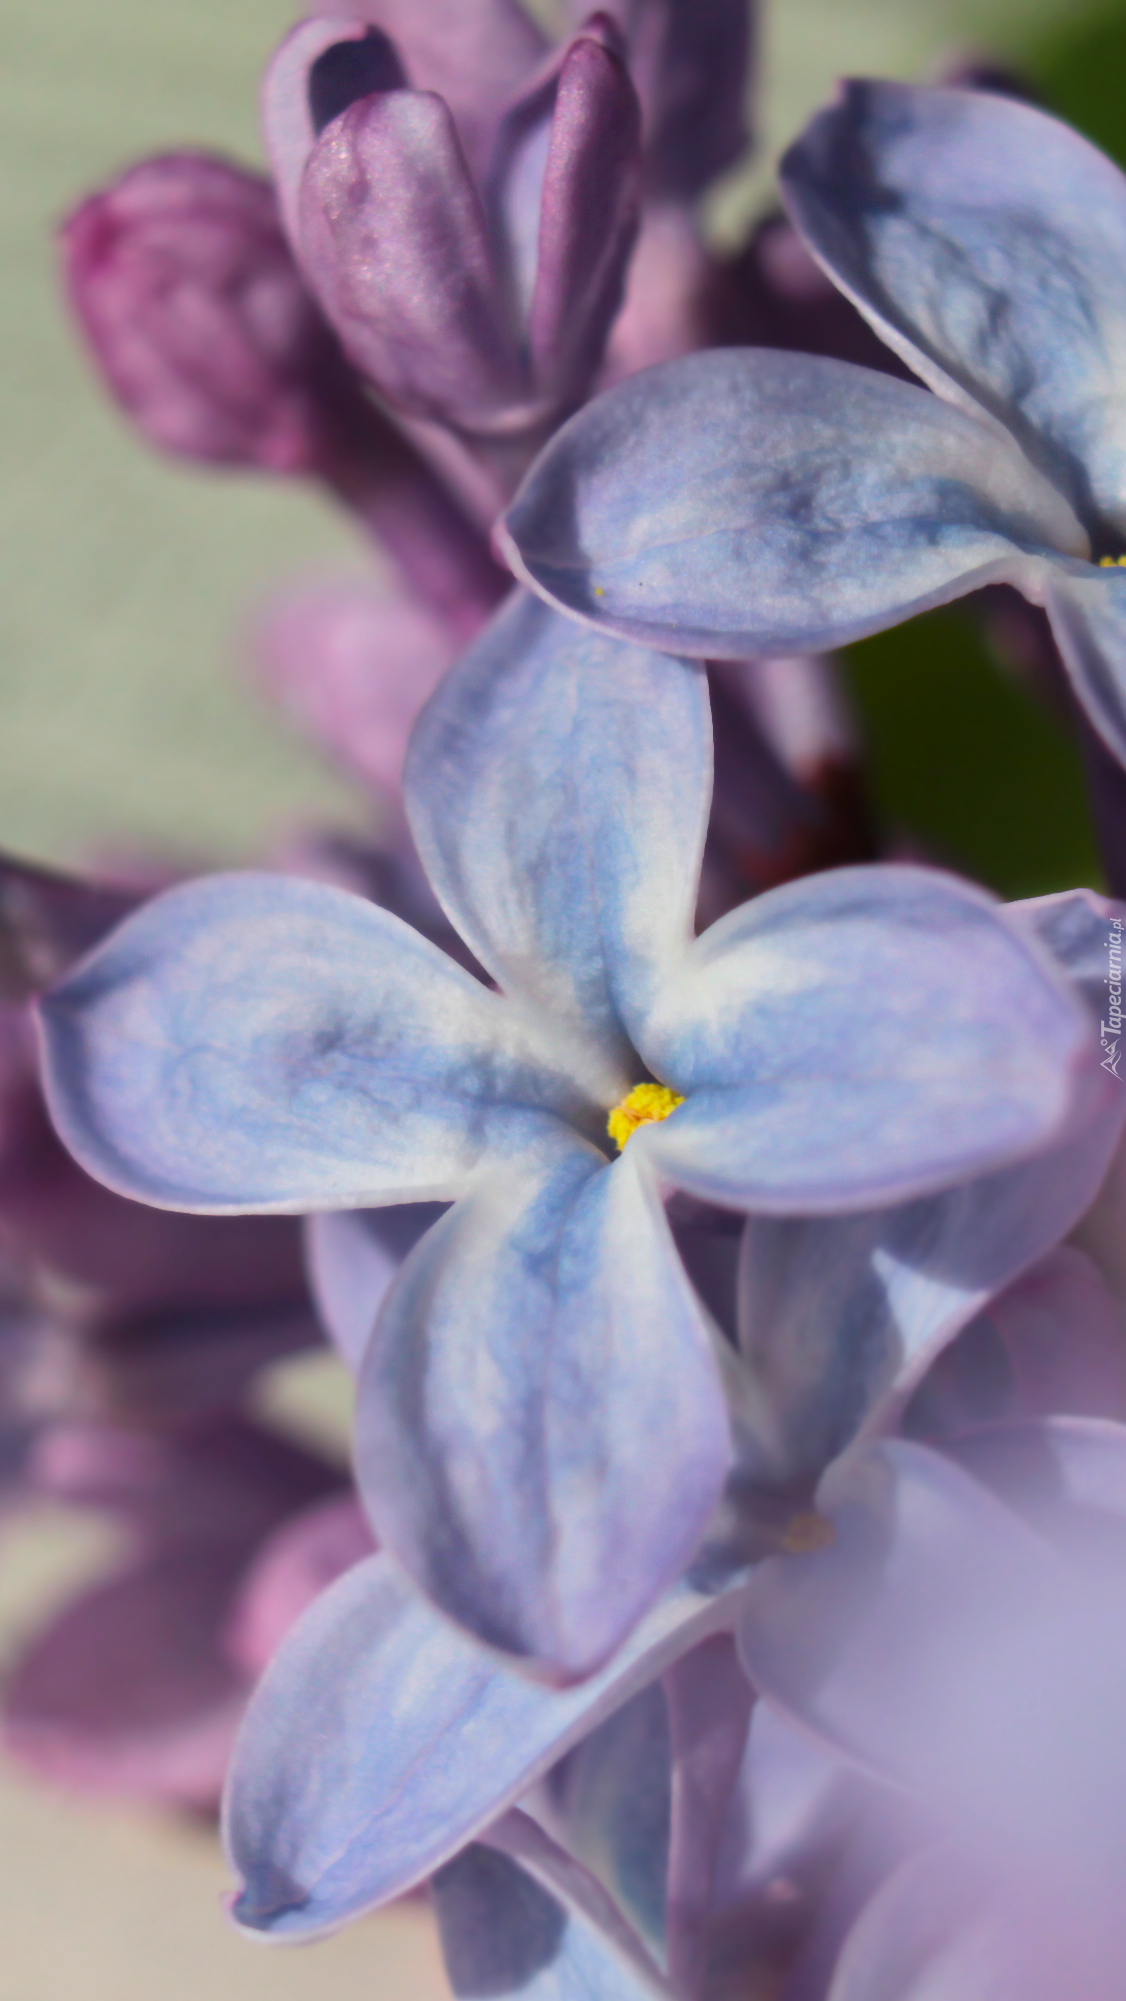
x: 128, y: 722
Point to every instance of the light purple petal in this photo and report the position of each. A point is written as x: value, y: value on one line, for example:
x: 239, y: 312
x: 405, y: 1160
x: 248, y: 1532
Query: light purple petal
x: 521, y: 1917
x: 945, y: 1643
x: 538, y: 1342
x: 925, y: 1936
x: 839, y: 1317
x: 582, y: 904
x: 1065, y: 1338
x: 861, y: 1038
x: 986, y: 242
x: 353, y: 1255
x: 744, y: 502
x: 394, y: 242
x: 1087, y: 608
x: 709, y: 1702
x: 257, y: 1042
x: 381, y: 1740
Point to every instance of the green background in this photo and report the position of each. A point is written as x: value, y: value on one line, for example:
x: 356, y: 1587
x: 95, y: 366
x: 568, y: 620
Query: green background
x: 126, y: 715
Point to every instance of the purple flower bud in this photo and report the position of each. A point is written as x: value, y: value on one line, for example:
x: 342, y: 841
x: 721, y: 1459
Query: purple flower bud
x: 479, y: 299
x: 189, y: 297
x: 691, y: 61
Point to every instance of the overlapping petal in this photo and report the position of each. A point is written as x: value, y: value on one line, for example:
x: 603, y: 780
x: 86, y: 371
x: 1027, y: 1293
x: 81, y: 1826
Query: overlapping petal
x: 381, y: 1740
x: 860, y: 1038
x: 746, y: 502
x: 521, y: 1917
x: 353, y: 1255
x: 394, y: 240
x: 965, y: 1654
x: 1087, y: 608
x: 253, y: 1042
x: 538, y: 1345
x: 558, y: 786
x: 986, y: 242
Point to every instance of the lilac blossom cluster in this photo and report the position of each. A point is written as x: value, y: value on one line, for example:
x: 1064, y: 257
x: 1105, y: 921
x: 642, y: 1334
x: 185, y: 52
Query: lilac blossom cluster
x: 723, y: 1219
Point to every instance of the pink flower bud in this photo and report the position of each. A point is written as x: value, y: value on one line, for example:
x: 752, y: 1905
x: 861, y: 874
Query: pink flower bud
x: 184, y: 285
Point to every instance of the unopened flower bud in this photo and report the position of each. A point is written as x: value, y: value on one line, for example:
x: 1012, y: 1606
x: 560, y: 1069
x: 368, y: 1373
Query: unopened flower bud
x: 481, y: 299
x: 186, y: 289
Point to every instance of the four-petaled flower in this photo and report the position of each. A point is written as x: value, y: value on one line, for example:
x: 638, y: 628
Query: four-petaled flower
x: 747, y: 502
x: 542, y: 1431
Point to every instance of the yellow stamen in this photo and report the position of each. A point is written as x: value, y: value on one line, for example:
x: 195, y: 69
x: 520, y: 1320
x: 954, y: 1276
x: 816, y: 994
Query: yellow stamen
x: 808, y: 1532
x: 1112, y: 562
x: 647, y: 1104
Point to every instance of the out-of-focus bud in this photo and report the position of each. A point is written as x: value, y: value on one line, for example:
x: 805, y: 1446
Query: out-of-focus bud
x: 773, y: 293
x: 352, y: 667
x: 692, y: 62
x: 186, y: 289
x: 482, y: 302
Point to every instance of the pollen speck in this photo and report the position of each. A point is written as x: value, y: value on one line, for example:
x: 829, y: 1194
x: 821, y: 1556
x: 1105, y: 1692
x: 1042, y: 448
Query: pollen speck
x: 1112, y: 562
x: 646, y: 1104
x: 807, y: 1533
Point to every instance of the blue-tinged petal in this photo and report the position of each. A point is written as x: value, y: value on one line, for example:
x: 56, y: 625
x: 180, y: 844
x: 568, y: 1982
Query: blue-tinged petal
x: 746, y: 502
x: 558, y: 787
x: 381, y: 1740
x: 521, y: 1917
x: 609, y: 1800
x: 352, y: 1257
x: 841, y: 1316
x: 538, y: 1349
x: 986, y: 242
x: 249, y: 1042
x: 1076, y: 926
x: 1087, y: 609
x: 861, y: 1038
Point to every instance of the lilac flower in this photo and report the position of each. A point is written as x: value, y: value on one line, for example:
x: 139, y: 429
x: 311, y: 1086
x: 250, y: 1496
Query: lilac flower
x: 207, y: 337
x: 252, y: 1044
x: 749, y: 502
x: 961, y: 1635
x: 471, y: 265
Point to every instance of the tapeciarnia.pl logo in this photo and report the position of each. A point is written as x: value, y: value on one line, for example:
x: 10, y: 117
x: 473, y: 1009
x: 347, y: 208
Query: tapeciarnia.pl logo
x: 1112, y: 1030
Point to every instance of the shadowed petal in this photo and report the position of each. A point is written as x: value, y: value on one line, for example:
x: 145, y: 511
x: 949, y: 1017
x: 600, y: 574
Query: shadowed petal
x: 841, y: 1316
x: 1087, y: 608
x: 254, y: 1042
x: 588, y: 217
x: 583, y: 901
x: 353, y: 1255
x: 538, y: 1347
x: 521, y: 1917
x: 860, y: 1038
x: 609, y: 1799
x: 709, y: 1701
x: 381, y: 1740
x: 744, y: 502
x: 986, y: 242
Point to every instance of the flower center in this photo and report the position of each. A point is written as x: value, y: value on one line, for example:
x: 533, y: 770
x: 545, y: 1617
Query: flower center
x: 1112, y: 562
x: 646, y: 1105
x: 808, y: 1532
